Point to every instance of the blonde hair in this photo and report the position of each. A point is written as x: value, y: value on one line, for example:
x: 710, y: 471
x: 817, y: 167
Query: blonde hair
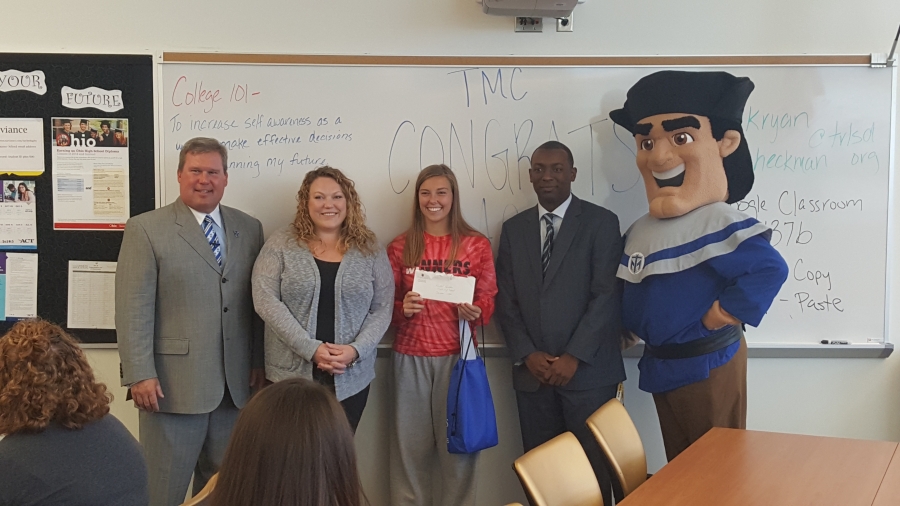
x: 354, y: 232
x: 414, y: 247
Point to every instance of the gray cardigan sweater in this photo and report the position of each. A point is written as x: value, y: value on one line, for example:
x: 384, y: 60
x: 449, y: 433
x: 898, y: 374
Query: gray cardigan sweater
x: 286, y: 288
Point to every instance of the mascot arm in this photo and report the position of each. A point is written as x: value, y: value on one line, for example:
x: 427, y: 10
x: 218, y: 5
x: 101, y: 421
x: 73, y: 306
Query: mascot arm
x: 756, y: 272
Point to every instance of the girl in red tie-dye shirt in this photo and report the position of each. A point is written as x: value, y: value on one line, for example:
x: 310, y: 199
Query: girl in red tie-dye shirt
x: 427, y: 343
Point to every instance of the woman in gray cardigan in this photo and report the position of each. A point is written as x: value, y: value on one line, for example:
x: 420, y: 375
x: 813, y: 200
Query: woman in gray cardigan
x: 325, y: 289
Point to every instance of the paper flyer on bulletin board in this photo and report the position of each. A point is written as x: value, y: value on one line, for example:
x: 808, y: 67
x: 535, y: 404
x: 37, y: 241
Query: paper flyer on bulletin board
x: 92, y: 295
x: 90, y: 173
x: 18, y: 285
x: 22, y: 146
x: 18, y: 210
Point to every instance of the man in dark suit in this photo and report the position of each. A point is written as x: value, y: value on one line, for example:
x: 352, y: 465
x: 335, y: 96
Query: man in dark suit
x: 185, y: 323
x: 559, y: 307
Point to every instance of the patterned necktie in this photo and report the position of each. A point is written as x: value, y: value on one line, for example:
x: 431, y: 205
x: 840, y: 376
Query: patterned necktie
x: 213, y: 239
x: 547, y: 249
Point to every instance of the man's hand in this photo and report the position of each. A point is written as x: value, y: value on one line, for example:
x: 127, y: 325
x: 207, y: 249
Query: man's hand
x: 562, y: 369
x: 716, y: 318
x: 257, y: 379
x: 538, y: 364
x: 146, y: 393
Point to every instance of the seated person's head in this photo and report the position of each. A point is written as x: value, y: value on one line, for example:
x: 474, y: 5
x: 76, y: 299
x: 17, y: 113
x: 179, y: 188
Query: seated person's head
x: 292, y: 445
x: 44, y: 378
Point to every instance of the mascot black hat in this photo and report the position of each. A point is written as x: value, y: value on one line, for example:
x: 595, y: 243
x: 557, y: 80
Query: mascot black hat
x: 719, y: 96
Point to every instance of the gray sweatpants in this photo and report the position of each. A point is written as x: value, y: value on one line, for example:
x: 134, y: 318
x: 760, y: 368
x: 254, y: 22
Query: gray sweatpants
x: 419, y: 436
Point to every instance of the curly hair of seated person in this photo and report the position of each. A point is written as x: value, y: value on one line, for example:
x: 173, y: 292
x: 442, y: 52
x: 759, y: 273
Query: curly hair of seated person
x: 44, y: 378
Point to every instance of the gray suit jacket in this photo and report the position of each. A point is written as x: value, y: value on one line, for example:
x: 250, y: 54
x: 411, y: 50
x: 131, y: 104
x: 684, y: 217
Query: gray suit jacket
x: 576, y: 307
x: 182, y: 318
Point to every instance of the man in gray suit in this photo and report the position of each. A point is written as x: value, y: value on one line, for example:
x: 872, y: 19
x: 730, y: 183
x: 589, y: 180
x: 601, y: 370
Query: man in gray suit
x: 185, y: 323
x: 559, y: 306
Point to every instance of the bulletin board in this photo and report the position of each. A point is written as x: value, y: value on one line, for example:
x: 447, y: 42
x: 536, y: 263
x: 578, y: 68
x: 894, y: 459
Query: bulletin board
x: 112, y: 95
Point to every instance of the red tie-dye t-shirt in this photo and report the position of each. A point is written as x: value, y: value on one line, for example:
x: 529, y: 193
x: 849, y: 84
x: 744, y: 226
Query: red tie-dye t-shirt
x: 434, y: 332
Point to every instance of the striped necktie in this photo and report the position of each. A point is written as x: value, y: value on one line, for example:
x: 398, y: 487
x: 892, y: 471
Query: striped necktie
x: 213, y: 239
x: 547, y: 249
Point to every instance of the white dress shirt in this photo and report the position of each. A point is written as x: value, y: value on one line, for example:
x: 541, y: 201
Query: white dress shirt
x: 558, y: 215
x: 218, y: 225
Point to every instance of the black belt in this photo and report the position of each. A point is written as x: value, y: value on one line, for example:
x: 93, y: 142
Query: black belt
x: 716, y: 341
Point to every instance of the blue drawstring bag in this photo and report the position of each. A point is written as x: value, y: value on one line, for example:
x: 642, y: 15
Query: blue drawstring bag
x: 471, y: 422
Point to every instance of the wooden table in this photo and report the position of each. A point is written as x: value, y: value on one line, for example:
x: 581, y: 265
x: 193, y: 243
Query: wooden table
x: 889, y: 492
x: 729, y: 467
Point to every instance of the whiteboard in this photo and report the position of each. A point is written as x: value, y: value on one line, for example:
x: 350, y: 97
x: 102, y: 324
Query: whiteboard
x: 820, y: 137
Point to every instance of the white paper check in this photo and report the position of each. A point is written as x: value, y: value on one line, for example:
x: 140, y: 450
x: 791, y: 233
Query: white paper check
x: 444, y: 287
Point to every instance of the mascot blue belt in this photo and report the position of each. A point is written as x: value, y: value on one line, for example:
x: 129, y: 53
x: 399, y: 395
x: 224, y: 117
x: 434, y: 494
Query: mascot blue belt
x: 695, y: 269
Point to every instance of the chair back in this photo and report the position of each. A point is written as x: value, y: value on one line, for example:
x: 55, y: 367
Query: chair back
x: 620, y: 441
x: 558, y: 473
x: 201, y: 498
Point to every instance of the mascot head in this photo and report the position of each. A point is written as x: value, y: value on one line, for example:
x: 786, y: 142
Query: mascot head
x: 691, y: 149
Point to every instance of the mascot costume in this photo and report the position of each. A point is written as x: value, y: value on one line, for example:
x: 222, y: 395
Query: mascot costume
x: 695, y: 269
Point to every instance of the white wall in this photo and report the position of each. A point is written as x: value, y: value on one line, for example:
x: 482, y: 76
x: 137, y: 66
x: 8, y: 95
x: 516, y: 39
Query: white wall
x: 454, y: 27
x: 840, y: 397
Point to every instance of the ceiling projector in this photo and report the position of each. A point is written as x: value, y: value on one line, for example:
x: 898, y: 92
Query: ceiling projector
x: 530, y: 8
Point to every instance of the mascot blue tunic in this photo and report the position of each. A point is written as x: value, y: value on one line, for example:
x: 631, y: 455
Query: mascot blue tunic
x: 695, y: 269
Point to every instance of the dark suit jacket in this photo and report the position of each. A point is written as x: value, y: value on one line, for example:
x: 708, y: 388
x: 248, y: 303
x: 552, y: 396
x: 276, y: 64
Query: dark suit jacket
x: 576, y: 307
